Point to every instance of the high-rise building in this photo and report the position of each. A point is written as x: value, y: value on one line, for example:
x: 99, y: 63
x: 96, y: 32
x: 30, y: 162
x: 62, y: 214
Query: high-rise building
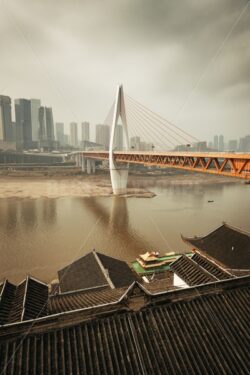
x: 6, y: 133
x: 216, y: 142
x: 233, y: 145
x: 35, y: 104
x: 66, y: 139
x: 23, y: 123
x: 135, y: 143
x: 60, y: 132
x: 118, y: 141
x: 85, y: 131
x: 244, y: 144
x: 221, y: 143
x: 103, y: 135
x: 46, y: 124
x: 73, y: 134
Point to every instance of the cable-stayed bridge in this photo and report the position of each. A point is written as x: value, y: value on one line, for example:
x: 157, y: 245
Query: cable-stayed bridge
x: 149, y: 139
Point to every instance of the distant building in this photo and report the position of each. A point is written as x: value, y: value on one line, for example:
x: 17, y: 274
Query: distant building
x: 233, y: 145
x: 244, y: 144
x: 46, y: 124
x: 135, y: 143
x: 103, y: 135
x: 23, y: 123
x: 35, y: 104
x: 46, y: 128
x: 73, y: 134
x: 87, y: 145
x: 118, y: 141
x: 221, y: 143
x: 60, y: 132
x: 216, y: 142
x: 6, y: 133
x: 66, y: 139
x: 85, y: 131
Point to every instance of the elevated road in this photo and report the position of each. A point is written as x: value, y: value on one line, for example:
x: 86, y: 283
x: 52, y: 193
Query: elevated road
x: 227, y: 164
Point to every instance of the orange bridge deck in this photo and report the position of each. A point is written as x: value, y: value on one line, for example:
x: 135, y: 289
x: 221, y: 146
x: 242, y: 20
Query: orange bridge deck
x: 227, y: 164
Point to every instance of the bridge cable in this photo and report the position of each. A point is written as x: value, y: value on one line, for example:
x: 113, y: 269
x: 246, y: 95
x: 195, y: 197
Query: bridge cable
x: 163, y: 120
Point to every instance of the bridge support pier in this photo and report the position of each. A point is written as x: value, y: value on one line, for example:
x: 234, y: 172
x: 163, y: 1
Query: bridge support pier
x: 83, y: 164
x: 90, y: 166
x: 119, y: 180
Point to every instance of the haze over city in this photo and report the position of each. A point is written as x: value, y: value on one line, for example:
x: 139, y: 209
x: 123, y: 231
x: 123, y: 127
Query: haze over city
x: 187, y: 61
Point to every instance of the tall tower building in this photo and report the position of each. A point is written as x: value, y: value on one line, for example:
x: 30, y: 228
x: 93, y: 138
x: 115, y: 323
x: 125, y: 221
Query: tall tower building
x: 46, y: 128
x: 216, y: 142
x: 73, y: 134
x: 46, y: 124
x: 221, y: 143
x: 6, y: 133
x: 103, y: 135
x: 50, y: 124
x: 60, y: 133
x: 85, y: 131
x: 23, y: 123
x: 35, y: 104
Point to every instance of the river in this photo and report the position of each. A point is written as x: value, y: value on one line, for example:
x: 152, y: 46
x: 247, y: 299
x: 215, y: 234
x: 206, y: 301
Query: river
x: 40, y: 236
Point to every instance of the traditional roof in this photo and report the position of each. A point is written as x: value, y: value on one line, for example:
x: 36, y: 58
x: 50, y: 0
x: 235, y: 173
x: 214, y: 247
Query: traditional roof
x: 150, y: 256
x: 226, y: 244
x: 95, y: 270
x: 7, y: 295
x: 190, y: 272
x: 211, y: 267
x: 28, y: 300
x: 197, y: 330
x: 82, y: 299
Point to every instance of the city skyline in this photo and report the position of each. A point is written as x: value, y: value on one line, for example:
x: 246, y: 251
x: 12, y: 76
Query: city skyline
x: 209, y: 94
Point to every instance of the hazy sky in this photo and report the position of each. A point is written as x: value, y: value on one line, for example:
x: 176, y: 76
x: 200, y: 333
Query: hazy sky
x: 187, y: 60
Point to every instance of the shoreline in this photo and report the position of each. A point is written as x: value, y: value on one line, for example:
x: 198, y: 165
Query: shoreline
x: 82, y: 185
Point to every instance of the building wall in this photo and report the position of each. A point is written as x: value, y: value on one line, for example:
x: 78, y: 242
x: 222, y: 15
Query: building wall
x: 73, y: 134
x: 5, y: 119
x: 85, y: 131
x: 23, y: 123
x: 118, y: 137
x: 35, y: 104
x: 60, y: 132
x: 103, y: 135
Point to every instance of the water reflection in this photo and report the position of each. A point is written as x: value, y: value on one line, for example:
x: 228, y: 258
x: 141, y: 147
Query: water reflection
x: 49, y: 211
x: 28, y: 213
x: 41, y: 236
x: 116, y: 224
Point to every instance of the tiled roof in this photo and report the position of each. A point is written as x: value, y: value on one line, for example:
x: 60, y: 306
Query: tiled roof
x: 202, y: 334
x: 81, y: 299
x: 119, y: 272
x: 190, y: 272
x: 23, y: 302
x: 95, y: 269
x: 211, y: 267
x: 81, y: 274
x: 7, y: 295
x: 226, y: 244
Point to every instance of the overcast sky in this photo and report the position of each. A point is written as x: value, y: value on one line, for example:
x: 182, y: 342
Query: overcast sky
x: 187, y: 60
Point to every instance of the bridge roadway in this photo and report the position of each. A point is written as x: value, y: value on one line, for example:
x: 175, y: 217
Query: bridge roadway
x: 221, y: 163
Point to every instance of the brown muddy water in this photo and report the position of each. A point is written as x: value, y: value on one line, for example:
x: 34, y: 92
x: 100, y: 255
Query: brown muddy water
x: 40, y: 236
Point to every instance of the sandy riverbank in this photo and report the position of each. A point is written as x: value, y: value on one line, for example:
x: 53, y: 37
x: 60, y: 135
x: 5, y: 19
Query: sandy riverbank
x: 95, y: 185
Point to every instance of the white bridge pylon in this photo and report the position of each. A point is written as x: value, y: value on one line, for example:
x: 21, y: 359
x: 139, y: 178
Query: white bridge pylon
x: 119, y: 174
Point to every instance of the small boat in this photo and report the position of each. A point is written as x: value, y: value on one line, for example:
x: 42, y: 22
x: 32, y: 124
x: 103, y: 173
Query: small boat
x: 210, y: 201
